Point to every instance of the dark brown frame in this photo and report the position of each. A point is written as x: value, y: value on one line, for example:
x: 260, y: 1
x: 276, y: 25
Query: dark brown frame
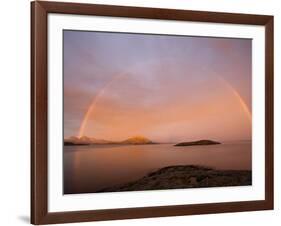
x: 39, y: 106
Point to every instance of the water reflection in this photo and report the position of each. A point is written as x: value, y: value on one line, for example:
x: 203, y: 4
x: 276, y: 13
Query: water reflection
x: 91, y: 168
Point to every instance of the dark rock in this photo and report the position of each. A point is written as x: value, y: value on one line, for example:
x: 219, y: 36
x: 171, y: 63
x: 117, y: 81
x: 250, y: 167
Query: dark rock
x: 186, y: 176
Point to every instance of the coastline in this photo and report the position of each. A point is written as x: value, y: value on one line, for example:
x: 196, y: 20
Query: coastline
x: 185, y: 176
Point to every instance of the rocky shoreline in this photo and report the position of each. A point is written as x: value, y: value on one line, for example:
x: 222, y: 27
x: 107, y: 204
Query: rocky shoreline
x: 186, y: 176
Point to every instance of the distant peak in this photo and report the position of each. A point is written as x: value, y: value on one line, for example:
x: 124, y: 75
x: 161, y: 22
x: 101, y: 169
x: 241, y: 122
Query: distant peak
x: 138, y: 137
x: 91, y: 140
x: 138, y: 140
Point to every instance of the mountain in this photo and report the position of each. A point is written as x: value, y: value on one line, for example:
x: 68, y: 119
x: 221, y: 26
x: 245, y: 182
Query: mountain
x: 137, y: 140
x: 85, y: 140
x: 90, y: 140
x: 198, y: 142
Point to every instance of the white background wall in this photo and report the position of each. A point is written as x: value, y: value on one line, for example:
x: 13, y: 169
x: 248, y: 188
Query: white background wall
x: 15, y: 119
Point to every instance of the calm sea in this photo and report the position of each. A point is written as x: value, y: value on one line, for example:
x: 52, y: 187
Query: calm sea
x: 91, y: 168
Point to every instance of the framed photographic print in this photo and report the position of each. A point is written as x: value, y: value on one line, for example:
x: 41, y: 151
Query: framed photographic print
x: 147, y: 112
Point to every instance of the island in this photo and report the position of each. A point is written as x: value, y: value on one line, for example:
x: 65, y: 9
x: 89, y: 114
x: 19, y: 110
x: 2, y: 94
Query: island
x: 186, y: 176
x: 198, y: 142
x: 68, y: 143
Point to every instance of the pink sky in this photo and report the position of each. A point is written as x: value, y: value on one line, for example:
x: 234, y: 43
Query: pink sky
x: 167, y: 88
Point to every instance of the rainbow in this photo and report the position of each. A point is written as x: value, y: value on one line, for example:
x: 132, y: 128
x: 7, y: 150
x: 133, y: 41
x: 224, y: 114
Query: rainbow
x: 94, y: 102
x: 115, y: 78
x: 239, y: 98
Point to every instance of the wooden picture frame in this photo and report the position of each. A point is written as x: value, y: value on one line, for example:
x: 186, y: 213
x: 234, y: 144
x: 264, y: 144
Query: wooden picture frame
x: 39, y: 109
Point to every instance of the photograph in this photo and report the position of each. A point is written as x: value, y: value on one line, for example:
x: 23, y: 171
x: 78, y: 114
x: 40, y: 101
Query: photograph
x: 143, y: 112
x: 155, y: 111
